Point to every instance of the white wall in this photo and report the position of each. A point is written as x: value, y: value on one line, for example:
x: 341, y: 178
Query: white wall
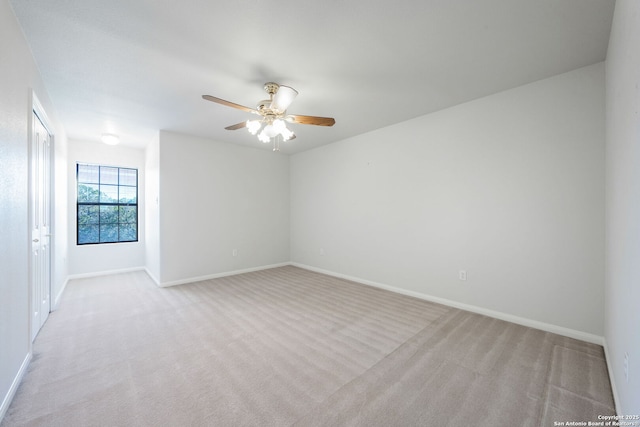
x: 622, y: 311
x: 19, y: 78
x: 152, y: 209
x: 216, y: 197
x: 509, y: 188
x: 92, y: 259
x: 60, y: 253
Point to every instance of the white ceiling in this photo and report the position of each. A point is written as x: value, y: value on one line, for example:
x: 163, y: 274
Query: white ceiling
x: 134, y: 67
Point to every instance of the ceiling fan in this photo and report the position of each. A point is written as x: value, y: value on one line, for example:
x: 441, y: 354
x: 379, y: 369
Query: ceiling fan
x: 273, y: 115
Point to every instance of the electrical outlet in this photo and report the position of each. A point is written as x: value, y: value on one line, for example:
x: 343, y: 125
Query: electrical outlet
x: 626, y: 366
x: 234, y: 252
x: 462, y: 274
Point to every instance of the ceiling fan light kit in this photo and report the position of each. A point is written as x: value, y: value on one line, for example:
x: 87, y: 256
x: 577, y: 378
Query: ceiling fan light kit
x: 273, y: 111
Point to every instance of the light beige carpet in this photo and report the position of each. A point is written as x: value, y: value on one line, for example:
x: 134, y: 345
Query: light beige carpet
x: 285, y: 347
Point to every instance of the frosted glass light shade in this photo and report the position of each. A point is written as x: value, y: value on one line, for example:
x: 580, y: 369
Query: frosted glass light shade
x: 253, y: 126
x: 283, y: 98
x: 110, y: 139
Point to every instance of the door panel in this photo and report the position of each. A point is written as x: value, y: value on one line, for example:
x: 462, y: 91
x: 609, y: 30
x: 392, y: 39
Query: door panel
x: 40, y: 219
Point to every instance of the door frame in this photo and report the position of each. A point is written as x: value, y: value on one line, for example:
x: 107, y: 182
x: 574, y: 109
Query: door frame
x: 37, y: 110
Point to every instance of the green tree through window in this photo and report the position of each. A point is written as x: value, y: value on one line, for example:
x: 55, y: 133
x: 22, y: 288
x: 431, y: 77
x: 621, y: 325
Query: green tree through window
x: 107, y: 208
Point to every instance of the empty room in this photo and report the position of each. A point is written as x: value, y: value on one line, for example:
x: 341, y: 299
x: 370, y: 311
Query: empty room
x: 260, y: 213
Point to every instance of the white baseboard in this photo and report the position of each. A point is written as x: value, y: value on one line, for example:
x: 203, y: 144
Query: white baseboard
x: 217, y: 275
x: 612, y: 379
x: 103, y: 273
x: 58, y: 297
x: 14, y: 386
x: 174, y: 282
x: 560, y: 330
x: 154, y: 278
x: 571, y: 333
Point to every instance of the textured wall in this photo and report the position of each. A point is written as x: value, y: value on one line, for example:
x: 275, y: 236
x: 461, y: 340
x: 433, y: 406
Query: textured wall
x: 623, y: 203
x: 19, y: 81
x: 216, y: 197
x: 509, y: 188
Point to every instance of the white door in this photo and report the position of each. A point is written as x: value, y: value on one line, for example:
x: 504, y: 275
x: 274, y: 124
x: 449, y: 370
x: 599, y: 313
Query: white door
x: 40, y: 218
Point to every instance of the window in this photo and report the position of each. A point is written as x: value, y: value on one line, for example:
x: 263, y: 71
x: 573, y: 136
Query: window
x: 107, y: 209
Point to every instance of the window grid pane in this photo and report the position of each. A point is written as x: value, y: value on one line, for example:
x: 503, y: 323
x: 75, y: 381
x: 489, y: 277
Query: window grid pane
x: 108, y: 193
x: 129, y: 177
x: 89, y: 174
x: 88, y: 193
x: 108, y: 175
x: 107, y: 204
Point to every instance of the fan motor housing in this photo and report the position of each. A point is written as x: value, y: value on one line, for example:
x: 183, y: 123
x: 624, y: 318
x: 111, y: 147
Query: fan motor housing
x: 263, y: 105
x: 271, y: 88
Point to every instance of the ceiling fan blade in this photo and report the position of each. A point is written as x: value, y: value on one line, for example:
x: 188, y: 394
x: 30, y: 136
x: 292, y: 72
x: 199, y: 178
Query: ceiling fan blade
x: 311, y: 120
x: 228, y: 104
x: 237, y: 126
x: 283, y: 98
